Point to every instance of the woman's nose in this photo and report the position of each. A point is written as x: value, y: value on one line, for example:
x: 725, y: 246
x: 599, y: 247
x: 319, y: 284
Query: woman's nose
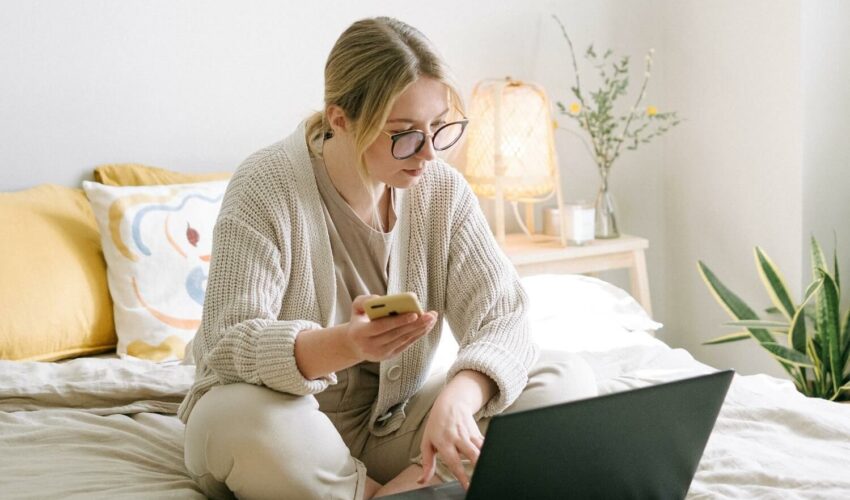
x: 427, y: 152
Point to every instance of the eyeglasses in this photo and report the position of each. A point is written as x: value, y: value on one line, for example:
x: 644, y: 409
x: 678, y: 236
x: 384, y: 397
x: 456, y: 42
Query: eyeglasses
x: 410, y: 142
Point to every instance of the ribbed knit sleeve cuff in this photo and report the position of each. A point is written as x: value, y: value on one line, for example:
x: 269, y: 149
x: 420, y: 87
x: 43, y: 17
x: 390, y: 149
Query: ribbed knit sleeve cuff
x: 276, y: 359
x: 503, y: 367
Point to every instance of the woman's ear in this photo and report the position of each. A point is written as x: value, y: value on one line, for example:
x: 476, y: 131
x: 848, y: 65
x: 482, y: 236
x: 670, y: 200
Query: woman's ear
x: 337, y: 119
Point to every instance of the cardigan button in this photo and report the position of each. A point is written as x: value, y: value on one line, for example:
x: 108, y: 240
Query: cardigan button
x: 394, y: 373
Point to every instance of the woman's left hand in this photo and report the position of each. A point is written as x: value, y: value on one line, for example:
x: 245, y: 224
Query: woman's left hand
x: 451, y: 432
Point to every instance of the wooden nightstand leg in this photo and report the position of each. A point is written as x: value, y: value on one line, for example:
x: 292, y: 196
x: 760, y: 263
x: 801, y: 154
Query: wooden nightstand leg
x: 640, y: 281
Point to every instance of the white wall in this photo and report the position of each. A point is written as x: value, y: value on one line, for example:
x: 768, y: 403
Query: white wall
x: 198, y: 85
x: 733, y: 172
x: 826, y: 131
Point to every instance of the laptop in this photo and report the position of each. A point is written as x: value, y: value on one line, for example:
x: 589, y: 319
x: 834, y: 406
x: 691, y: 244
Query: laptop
x: 640, y: 443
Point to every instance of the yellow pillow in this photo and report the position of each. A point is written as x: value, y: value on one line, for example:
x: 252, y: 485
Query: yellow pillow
x: 53, y: 293
x: 134, y: 174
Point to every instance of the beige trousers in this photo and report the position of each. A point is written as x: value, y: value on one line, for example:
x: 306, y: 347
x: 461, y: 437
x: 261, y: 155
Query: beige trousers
x: 251, y: 442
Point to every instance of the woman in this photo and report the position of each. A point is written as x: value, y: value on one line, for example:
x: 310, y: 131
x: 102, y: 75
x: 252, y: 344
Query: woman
x: 298, y: 394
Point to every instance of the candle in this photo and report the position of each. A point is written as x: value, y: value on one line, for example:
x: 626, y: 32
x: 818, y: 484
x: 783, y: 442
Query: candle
x: 579, y: 224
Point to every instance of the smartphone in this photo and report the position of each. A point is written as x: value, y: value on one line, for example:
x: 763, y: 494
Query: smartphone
x: 392, y: 305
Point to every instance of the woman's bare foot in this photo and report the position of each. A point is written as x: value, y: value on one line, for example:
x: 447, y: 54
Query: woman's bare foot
x: 406, y: 480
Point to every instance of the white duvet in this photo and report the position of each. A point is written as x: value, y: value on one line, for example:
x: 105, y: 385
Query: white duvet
x: 105, y: 427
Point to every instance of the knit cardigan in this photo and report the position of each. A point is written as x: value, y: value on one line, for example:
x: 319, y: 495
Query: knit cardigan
x: 272, y: 276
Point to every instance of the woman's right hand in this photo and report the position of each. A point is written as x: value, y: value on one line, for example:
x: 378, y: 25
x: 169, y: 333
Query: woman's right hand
x: 383, y: 338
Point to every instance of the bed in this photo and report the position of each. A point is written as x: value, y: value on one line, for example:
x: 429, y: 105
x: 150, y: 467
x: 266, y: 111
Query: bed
x: 105, y: 427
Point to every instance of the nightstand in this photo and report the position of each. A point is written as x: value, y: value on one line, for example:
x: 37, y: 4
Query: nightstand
x: 538, y: 256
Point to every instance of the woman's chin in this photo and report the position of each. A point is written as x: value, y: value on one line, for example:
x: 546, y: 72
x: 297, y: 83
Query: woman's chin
x: 408, y: 178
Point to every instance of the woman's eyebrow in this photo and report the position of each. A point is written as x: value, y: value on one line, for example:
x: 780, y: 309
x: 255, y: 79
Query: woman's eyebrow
x: 408, y: 120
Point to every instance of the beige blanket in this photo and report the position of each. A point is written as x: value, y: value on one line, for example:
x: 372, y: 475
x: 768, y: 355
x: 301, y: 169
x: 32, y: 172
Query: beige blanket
x: 93, y: 428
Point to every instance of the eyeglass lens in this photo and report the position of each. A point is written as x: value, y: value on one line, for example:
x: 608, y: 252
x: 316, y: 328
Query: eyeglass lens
x: 408, y: 144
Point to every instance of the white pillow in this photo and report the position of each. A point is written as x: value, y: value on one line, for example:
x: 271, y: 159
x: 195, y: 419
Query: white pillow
x: 157, y: 242
x: 572, y: 312
x: 578, y: 299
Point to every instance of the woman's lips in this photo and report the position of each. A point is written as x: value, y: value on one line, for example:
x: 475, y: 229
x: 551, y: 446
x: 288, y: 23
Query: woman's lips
x: 416, y: 172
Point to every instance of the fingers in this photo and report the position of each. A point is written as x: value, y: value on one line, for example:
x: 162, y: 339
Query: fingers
x: 452, y: 460
x: 411, y: 330
x: 357, y: 303
x: 386, y: 337
x: 470, y: 450
x: 450, y: 456
x: 478, y: 440
x: 429, y: 463
x: 383, y: 325
x: 475, y: 436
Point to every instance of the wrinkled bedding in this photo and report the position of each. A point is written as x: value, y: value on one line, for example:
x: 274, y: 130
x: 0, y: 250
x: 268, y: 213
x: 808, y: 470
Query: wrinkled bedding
x: 93, y: 428
x: 105, y: 427
x: 769, y: 440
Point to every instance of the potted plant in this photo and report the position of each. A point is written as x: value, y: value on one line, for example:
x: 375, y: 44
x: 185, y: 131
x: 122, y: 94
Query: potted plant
x: 810, y: 339
x: 609, y: 131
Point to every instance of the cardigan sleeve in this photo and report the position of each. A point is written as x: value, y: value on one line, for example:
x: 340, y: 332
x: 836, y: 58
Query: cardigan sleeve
x: 486, y: 308
x: 241, y: 338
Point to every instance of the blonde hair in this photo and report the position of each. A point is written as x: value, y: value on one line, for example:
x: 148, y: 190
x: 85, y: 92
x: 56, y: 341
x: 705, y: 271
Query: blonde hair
x: 369, y: 66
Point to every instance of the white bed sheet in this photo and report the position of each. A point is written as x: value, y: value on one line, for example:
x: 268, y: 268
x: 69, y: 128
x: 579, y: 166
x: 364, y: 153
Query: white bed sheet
x: 769, y: 440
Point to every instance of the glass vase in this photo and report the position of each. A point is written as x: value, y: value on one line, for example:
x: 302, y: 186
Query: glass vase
x: 606, y: 210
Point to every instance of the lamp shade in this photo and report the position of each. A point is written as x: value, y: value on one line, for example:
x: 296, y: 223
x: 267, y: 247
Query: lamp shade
x: 510, y: 142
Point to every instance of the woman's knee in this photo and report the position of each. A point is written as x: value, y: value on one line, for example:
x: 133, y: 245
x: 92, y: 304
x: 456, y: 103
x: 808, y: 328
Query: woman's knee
x: 556, y: 377
x: 261, y: 443
x: 231, y: 418
x: 565, y: 375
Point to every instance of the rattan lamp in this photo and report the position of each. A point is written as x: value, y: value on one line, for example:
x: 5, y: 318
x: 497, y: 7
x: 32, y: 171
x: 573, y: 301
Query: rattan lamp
x: 510, y: 152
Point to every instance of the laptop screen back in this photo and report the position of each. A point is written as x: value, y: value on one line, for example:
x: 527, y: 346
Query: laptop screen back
x: 643, y: 443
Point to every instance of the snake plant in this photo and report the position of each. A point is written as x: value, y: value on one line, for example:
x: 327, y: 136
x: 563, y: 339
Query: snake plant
x: 810, y: 339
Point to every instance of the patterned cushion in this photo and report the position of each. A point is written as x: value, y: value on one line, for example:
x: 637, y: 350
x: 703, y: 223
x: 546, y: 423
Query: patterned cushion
x: 157, y: 244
